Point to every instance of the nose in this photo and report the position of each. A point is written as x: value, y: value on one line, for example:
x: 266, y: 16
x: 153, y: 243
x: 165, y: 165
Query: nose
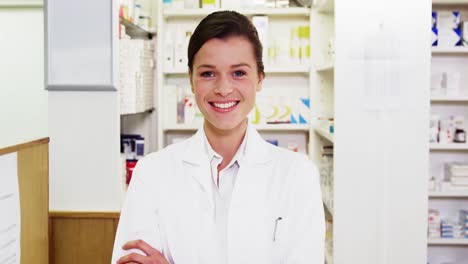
x: 223, y: 87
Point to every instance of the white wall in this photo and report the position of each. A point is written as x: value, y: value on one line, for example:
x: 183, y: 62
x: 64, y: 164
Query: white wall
x: 23, y: 100
x: 84, y: 157
x: 382, y: 71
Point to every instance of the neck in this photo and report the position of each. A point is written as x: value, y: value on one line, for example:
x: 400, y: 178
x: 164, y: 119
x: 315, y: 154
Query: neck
x: 225, y: 142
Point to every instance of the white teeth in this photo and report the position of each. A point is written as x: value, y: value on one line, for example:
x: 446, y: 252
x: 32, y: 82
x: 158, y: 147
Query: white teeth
x: 225, y: 105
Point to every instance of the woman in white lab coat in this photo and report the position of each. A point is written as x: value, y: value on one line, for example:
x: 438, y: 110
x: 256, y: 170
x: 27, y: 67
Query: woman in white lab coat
x: 224, y: 195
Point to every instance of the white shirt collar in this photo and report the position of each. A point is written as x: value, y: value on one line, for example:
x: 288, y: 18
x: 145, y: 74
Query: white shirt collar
x: 238, y: 157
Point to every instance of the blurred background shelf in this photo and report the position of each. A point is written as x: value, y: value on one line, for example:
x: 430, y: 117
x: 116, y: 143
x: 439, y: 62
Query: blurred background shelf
x: 278, y: 127
x: 135, y: 30
x: 448, y: 241
x: 324, y: 133
x: 450, y: 50
x: 449, y: 194
x: 449, y: 99
x: 451, y: 146
x: 201, y: 12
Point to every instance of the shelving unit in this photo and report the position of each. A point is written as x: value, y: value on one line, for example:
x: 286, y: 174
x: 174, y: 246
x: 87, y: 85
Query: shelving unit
x: 448, y: 60
x: 325, y: 67
x: 142, y: 118
x: 449, y: 99
x: 449, y: 194
x: 328, y: 258
x: 324, y: 133
x: 325, y: 6
x: 451, y: 146
x: 448, y: 241
x: 322, y: 97
x: 328, y: 206
x: 202, y: 12
x: 135, y: 30
x: 449, y: 2
x: 450, y: 50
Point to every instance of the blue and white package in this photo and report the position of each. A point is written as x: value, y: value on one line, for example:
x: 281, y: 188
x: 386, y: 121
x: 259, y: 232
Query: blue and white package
x: 449, y: 38
x: 445, y: 20
x: 434, y: 31
x: 304, y: 111
x: 447, y: 29
x: 434, y: 37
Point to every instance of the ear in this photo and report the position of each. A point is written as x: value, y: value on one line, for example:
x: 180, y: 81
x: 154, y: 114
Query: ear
x: 261, y: 76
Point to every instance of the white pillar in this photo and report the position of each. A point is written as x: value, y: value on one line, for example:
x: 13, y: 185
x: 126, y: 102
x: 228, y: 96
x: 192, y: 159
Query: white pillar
x: 382, y: 72
x: 84, y: 121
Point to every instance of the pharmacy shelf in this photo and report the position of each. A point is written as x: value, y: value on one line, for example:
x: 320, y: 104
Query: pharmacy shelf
x: 328, y: 258
x: 268, y: 69
x: 450, y: 146
x: 449, y: 194
x: 450, y: 2
x: 150, y: 110
x: 324, y: 6
x: 132, y: 29
x: 327, y: 205
x: 278, y: 127
x: 325, y: 67
x: 450, y: 50
x: 287, y: 69
x: 324, y: 133
x: 21, y: 4
x: 448, y: 241
x: 448, y: 99
x: 201, y: 12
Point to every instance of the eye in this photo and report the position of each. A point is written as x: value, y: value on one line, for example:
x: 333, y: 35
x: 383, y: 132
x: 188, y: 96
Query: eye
x: 239, y: 73
x: 207, y: 74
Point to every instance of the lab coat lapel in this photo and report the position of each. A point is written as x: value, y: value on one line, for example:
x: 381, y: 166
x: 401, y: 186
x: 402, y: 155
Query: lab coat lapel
x: 198, y: 165
x: 197, y: 168
x: 248, y: 201
x: 252, y: 178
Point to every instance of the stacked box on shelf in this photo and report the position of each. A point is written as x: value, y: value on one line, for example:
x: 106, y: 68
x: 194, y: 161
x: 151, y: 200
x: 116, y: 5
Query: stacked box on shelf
x: 464, y: 221
x: 450, y: 229
x: 125, y: 76
x: 456, y: 176
x: 136, y: 75
x: 280, y: 110
x: 446, y: 28
x: 434, y: 222
x: 146, y: 66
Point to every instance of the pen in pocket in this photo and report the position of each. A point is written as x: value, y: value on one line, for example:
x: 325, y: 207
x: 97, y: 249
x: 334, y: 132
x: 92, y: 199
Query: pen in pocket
x: 276, y: 227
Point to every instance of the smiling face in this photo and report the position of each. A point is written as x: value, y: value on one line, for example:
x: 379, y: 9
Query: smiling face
x: 225, y: 80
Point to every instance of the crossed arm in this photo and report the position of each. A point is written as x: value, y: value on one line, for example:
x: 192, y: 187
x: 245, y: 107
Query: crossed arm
x: 138, y: 238
x: 152, y: 255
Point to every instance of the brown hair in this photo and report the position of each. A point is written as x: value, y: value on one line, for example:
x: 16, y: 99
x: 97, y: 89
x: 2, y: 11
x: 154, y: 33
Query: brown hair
x: 224, y: 24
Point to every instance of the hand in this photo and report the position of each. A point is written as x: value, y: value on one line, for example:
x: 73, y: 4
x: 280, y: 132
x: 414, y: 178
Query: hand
x: 153, y: 256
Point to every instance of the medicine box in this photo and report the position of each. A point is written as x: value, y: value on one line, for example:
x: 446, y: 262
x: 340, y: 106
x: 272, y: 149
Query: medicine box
x: 447, y: 32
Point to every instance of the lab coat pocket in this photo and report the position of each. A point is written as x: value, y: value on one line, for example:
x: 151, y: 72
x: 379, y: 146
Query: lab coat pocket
x: 278, y: 239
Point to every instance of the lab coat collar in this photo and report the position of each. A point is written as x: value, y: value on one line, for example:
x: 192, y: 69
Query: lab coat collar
x: 257, y: 150
x: 238, y: 157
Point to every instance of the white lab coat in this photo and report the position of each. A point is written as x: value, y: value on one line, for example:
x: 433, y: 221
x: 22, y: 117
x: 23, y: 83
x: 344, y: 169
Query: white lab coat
x: 170, y: 205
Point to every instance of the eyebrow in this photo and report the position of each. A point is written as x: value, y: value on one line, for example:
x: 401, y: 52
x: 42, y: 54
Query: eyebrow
x: 214, y: 67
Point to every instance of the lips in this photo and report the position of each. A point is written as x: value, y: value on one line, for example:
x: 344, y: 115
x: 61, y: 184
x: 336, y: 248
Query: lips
x: 225, y: 106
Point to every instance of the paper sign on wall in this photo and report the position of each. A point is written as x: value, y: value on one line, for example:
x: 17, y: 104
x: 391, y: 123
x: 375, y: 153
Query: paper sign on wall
x: 10, y: 222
